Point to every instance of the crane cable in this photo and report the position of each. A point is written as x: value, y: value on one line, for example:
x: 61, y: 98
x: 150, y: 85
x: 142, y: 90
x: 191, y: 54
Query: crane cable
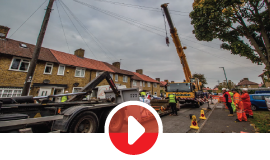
x: 167, y: 38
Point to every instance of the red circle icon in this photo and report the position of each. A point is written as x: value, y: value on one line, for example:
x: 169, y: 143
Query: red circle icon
x: 133, y: 129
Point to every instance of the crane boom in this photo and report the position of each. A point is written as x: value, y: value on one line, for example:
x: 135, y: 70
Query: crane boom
x: 177, y: 43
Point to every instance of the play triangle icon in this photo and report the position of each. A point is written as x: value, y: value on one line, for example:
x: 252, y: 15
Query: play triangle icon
x: 135, y: 130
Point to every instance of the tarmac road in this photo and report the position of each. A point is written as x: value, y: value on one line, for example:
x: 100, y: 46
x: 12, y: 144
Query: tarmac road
x: 182, y: 122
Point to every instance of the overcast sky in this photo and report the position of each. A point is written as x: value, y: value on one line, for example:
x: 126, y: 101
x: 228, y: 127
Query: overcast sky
x: 117, y: 39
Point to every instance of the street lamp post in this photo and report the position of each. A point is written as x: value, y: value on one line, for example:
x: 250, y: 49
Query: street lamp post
x: 225, y: 76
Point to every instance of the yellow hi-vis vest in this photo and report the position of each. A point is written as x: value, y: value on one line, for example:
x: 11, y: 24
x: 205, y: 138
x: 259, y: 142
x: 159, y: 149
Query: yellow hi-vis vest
x: 143, y: 93
x: 64, y: 99
x: 172, y: 98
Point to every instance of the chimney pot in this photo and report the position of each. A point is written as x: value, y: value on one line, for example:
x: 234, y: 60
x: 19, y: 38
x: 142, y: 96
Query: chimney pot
x: 158, y: 79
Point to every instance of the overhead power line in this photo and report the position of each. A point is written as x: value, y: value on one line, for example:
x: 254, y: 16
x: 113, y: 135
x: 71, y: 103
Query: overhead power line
x: 140, y: 7
x: 62, y: 25
x: 142, y: 25
x: 77, y: 30
x: 27, y: 19
x: 87, y: 31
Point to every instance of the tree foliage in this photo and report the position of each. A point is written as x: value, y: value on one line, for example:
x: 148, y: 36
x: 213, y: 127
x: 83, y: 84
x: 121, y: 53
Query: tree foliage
x: 230, y: 21
x: 201, y: 78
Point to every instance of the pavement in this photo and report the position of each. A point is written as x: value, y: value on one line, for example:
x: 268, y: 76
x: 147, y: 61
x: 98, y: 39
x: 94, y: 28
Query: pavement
x: 219, y: 122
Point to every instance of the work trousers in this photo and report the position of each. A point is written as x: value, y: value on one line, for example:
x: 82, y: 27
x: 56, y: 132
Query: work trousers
x: 247, y: 106
x: 173, y: 106
x: 229, y: 107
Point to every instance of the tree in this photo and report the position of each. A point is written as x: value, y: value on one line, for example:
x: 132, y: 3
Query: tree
x: 224, y: 85
x: 201, y: 78
x: 232, y: 20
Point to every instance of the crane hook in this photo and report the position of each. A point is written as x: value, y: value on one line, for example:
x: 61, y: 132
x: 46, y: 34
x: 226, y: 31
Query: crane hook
x: 167, y: 41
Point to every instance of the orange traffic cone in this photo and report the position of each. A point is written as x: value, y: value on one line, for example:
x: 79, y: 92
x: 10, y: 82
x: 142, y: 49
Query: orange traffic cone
x: 194, y: 124
x: 202, y: 115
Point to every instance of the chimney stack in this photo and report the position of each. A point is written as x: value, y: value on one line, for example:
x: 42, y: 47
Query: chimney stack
x: 166, y: 81
x: 139, y: 71
x: 116, y: 64
x: 172, y: 81
x: 158, y: 79
x: 3, y: 32
x: 79, y: 53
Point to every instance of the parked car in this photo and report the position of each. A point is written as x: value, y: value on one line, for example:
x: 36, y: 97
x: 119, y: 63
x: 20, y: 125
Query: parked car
x: 258, y: 101
x: 268, y: 103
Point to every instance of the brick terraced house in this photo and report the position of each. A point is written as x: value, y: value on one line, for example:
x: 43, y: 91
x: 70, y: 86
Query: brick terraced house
x: 57, y: 71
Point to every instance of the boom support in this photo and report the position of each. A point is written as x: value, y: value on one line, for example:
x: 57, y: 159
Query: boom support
x: 177, y: 42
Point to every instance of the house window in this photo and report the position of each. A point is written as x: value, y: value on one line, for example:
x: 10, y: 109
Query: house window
x: 155, y: 85
x: 143, y: 84
x: 140, y: 83
x: 111, y: 75
x: 19, y: 64
x: 155, y: 93
x: 148, y: 84
x: 9, y: 92
x: 76, y: 89
x: 48, y: 68
x: 125, y: 78
x: 134, y: 83
x: 79, y: 72
x: 98, y: 73
x: 61, y: 70
x: 116, y: 78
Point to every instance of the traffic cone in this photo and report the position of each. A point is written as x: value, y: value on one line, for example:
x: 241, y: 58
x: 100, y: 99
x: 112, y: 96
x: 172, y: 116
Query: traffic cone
x: 194, y: 124
x: 202, y: 115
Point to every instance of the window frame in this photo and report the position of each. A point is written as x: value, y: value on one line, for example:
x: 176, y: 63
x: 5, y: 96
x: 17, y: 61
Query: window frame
x: 125, y: 78
x: 116, y: 79
x: 134, y: 83
x: 143, y: 84
x: 148, y: 84
x: 12, y: 93
x: 75, y: 88
x: 79, y: 68
x: 111, y: 74
x: 155, y: 85
x: 63, y: 70
x: 98, y: 73
x: 262, y: 97
x: 21, y: 59
x: 140, y: 83
x: 50, y: 64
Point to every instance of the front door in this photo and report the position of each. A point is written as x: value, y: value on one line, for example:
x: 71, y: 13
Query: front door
x: 58, y: 91
x: 44, y: 91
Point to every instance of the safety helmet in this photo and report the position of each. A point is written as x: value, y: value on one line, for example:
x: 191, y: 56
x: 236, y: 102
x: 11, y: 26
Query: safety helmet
x: 224, y: 89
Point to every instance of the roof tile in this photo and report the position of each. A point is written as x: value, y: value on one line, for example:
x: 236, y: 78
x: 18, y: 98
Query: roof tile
x: 12, y: 47
x: 73, y: 60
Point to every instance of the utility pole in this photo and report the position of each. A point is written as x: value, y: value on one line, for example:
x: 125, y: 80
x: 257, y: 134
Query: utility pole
x: 225, y: 76
x: 34, y: 59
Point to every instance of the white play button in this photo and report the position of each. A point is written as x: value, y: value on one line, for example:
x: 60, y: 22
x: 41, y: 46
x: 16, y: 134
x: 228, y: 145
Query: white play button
x: 135, y: 130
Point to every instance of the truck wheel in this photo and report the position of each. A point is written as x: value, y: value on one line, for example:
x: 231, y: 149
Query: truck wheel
x: 253, y: 108
x: 85, y: 122
x: 197, y: 104
x: 117, y: 121
x: 103, y: 120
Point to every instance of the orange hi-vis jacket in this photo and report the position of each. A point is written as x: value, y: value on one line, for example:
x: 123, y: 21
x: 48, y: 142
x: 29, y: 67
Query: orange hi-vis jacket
x: 229, y: 97
x: 236, y: 98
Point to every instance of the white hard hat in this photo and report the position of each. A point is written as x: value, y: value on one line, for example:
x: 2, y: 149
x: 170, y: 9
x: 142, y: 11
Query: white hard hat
x: 173, y: 93
x: 66, y: 91
x: 223, y: 89
x: 227, y: 89
x: 244, y: 89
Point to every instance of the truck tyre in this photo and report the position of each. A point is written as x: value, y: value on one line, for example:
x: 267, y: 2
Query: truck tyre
x: 85, y: 122
x: 197, y: 104
x: 117, y: 121
x: 103, y: 120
